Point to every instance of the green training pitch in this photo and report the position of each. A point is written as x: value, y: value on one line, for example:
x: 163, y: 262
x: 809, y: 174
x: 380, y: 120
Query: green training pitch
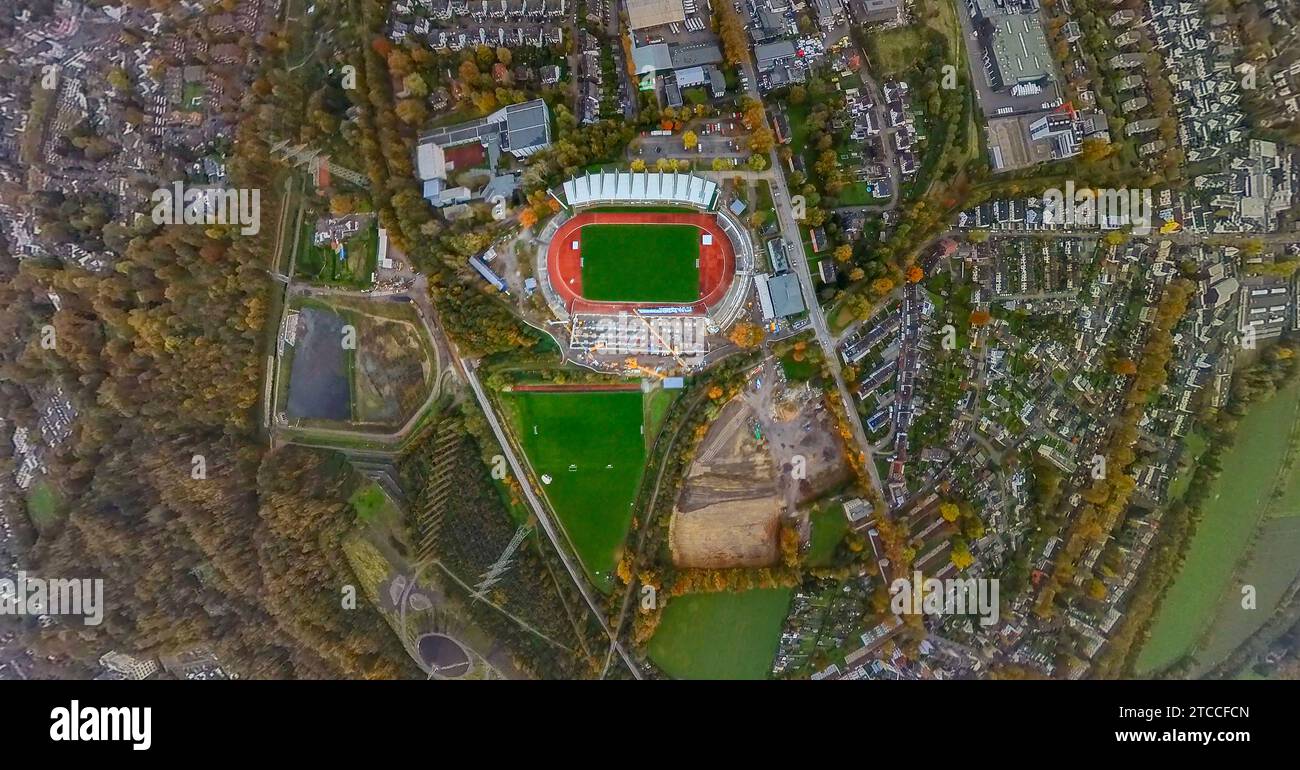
x: 590, y: 445
x: 721, y: 635
x: 641, y: 263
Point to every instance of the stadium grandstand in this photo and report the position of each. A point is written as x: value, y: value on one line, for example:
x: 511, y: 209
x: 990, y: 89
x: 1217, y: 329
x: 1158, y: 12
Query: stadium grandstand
x: 641, y: 187
x: 640, y: 312
x: 634, y: 333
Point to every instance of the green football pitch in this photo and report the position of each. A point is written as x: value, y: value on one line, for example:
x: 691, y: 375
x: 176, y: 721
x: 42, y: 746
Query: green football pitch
x: 641, y: 263
x: 590, y: 445
x: 721, y: 635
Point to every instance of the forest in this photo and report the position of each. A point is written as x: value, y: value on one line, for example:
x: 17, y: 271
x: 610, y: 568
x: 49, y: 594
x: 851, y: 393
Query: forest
x: 170, y: 496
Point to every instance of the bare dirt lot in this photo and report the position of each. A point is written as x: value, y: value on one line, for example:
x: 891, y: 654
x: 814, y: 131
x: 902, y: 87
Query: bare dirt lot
x: 728, y: 514
x: 392, y: 373
x: 800, y: 436
x: 771, y: 450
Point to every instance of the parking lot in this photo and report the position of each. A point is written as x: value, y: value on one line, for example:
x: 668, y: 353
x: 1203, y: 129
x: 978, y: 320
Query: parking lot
x: 997, y: 103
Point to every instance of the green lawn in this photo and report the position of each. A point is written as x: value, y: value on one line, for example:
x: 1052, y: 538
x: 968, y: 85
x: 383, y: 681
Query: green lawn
x: 591, y: 447
x: 641, y: 263
x: 1228, y: 524
x: 895, y: 51
x: 369, y: 501
x: 721, y: 635
x: 855, y: 194
x: 658, y: 403
x: 192, y: 96
x: 44, y: 507
x: 1193, y: 445
x: 797, y: 371
x: 829, y: 526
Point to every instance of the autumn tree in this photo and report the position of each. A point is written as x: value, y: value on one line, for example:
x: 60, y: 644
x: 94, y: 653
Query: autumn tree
x: 960, y: 555
x: 1125, y: 367
x: 411, y: 111
x: 399, y: 63
x: 731, y: 30
x: 746, y: 334
x: 415, y: 85
x: 341, y: 205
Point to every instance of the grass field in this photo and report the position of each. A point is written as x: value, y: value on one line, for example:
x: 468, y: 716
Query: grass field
x: 797, y: 371
x: 370, y: 503
x: 641, y: 263
x: 658, y: 402
x: 591, y: 446
x: 721, y: 635
x: 1193, y: 445
x: 897, y: 50
x: 192, y: 96
x: 829, y: 526
x: 1227, y: 527
x: 1271, y: 566
x: 43, y: 505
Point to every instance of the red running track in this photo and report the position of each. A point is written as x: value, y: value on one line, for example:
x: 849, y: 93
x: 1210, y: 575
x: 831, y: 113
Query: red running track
x: 564, y: 263
x: 575, y: 387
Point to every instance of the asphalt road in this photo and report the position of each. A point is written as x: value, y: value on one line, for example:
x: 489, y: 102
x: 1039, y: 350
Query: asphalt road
x: 775, y: 175
x: 799, y: 260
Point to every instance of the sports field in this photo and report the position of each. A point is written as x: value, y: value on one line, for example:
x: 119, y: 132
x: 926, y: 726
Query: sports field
x: 829, y: 527
x: 721, y: 635
x: 590, y: 445
x: 641, y: 263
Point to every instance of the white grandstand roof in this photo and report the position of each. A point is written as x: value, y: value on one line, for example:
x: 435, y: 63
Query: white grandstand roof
x: 641, y: 187
x: 764, y: 297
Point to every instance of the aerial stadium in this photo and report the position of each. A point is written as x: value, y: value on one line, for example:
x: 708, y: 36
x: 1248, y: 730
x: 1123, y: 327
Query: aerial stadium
x: 643, y: 264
